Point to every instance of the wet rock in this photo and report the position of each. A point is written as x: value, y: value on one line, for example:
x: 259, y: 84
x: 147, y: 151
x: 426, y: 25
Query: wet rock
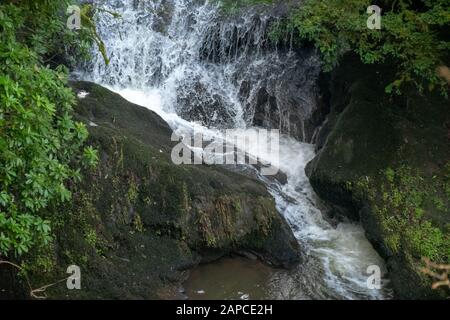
x: 196, y: 103
x: 364, y: 138
x: 277, y: 81
x: 287, y: 99
x: 149, y: 220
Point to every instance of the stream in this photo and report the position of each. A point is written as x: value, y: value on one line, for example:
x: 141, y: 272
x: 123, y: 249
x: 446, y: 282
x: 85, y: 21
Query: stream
x: 197, y: 70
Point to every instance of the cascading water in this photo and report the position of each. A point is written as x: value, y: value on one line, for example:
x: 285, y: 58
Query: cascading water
x: 181, y: 59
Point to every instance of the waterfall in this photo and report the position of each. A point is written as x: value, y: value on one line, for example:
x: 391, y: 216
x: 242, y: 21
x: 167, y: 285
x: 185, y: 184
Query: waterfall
x: 184, y: 60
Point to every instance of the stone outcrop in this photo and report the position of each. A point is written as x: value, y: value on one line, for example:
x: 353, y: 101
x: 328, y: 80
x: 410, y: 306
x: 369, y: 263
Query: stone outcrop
x: 385, y: 160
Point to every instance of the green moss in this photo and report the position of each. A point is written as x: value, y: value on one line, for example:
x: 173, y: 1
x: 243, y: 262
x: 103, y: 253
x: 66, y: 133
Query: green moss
x: 186, y: 199
x: 237, y: 205
x: 138, y: 225
x: 426, y: 241
x: 402, y: 199
x: 264, y: 217
x: 206, y: 230
x: 132, y: 193
x: 91, y: 237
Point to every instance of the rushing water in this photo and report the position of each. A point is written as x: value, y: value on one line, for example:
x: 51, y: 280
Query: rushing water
x: 180, y: 59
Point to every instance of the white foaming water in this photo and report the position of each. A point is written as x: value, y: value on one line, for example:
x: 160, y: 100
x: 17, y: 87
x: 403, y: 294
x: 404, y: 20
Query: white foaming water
x: 156, y: 62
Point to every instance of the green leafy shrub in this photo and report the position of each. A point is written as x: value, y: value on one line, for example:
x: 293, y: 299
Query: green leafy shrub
x: 425, y: 241
x: 402, y: 199
x: 41, y: 146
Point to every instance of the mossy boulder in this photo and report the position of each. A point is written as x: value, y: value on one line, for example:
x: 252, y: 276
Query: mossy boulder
x: 385, y: 160
x: 137, y: 221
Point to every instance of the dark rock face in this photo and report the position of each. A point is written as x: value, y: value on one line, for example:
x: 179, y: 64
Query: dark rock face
x: 276, y: 81
x: 286, y: 96
x: 367, y: 140
x: 196, y: 103
x: 138, y: 221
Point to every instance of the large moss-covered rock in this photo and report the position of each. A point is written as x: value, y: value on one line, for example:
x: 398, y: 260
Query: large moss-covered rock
x: 137, y: 222
x: 386, y: 161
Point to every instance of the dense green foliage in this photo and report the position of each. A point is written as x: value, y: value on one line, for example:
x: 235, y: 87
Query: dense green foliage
x: 41, y: 146
x: 412, y: 36
x: 402, y: 200
x: 409, y: 35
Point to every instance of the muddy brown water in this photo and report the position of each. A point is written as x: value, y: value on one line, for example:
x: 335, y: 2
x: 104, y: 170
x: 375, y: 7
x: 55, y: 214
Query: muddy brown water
x: 231, y: 279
